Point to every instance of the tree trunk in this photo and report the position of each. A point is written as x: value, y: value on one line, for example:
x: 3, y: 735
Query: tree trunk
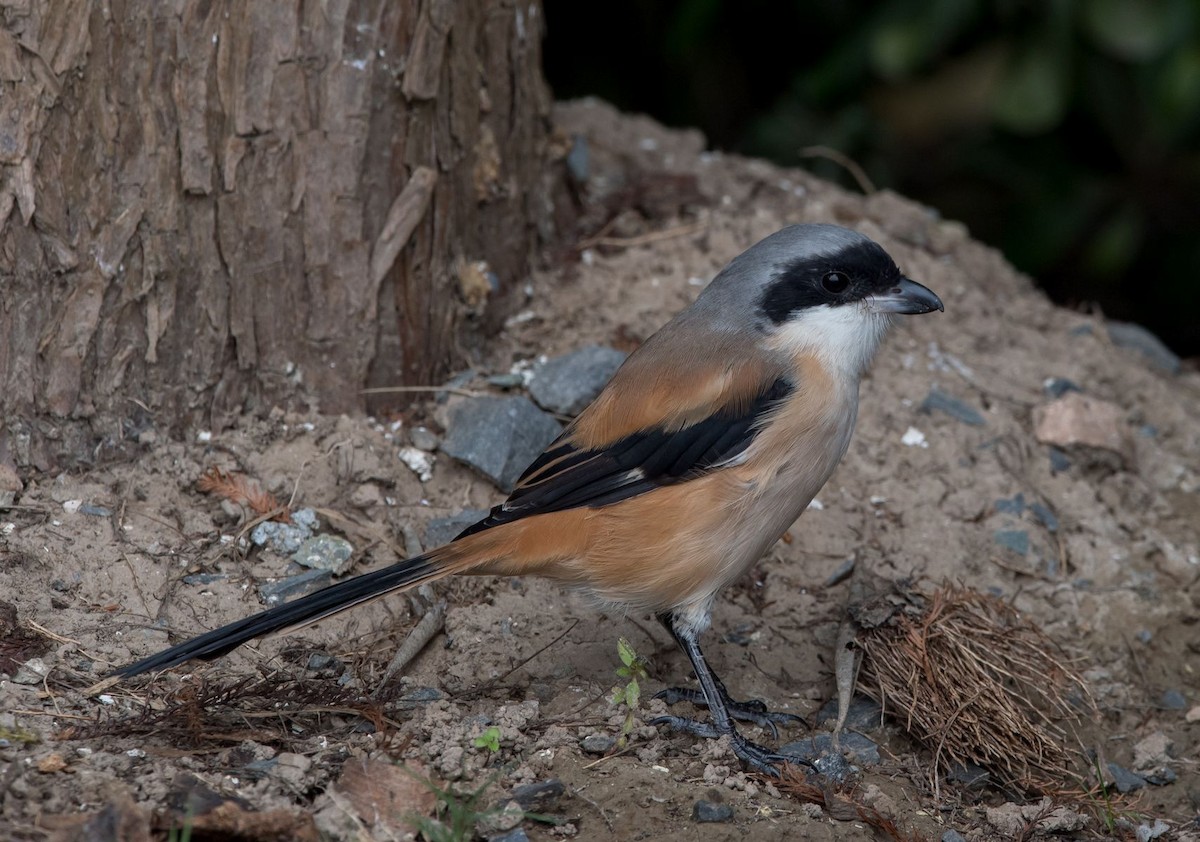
x: 211, y: 207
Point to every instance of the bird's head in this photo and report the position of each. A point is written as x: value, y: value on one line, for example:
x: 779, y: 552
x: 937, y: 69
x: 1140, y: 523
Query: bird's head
x: 819, y: 289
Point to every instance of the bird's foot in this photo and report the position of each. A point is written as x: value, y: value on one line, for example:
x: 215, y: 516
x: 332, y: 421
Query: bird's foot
x: 758, y: 758
x: 752, y: 710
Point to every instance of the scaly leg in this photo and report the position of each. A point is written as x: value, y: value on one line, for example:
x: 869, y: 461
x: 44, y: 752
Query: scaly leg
x: 716, y: 697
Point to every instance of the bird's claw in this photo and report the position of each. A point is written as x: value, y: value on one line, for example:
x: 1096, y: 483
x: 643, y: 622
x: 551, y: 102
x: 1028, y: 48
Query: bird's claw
x: 759, y: 758
x: 754, y: 711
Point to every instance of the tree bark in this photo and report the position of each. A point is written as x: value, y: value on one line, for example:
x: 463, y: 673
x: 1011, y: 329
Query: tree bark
x: 211, y: 207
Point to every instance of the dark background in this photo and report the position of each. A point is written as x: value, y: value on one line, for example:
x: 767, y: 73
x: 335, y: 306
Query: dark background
x: 1064, y: 132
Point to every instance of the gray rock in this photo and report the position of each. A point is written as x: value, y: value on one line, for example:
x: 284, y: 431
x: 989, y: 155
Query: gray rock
x: 1146, y: 832
x: 515, y: 835
x: 500, y: 820
x: 842, y: 572
x: 1172, y: 699
x: 970, y: 775
x: 939, y: 401
x: 286, y: 538
x: 707, y: 811
x: 1125, y: 780
x: 424, y: 438
x: 458, y: 381
x: 420, y: 696
x: 1162, y: 776
x: 498, y: 436
x: 569, y: 383
x: 1056, y: 387
x: 539, y: 796
x: 864, y: 714
x: 1046, y: 517
x: 325, y: 552
x: 578, y: 159
x: 953, y: 836
x: 1014, y: 505
x: 1016, y: 540
x: 321, y: 660
x: 1152, y: 349
x: 1059, y: 461
x: 204, y: 578
x: 508, y: 380
x: 812, y: 749
x: 597, y: 743
x: 32, y: 672
x: 273, y: 593
x: 443, y: 530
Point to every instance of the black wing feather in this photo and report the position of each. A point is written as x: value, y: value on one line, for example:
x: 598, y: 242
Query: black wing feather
x: 566, y: 478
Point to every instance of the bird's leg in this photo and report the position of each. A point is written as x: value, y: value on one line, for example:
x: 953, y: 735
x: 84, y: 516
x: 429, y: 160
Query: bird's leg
x: 716, y: 698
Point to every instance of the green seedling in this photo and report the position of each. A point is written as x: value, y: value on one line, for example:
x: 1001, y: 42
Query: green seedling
x: 633, y: 672
x: 489, y: 739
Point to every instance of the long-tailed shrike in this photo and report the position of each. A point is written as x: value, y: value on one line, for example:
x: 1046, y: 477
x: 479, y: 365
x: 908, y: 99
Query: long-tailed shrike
x: 701, y: 451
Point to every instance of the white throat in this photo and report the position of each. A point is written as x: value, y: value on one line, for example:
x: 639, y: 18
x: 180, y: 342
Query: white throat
x: 844, y: 338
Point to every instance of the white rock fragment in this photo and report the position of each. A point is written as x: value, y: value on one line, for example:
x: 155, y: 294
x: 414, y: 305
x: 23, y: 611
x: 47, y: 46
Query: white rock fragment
x: 204, y: 436
x: 913, y: 438
x: 418, y: 461
x: 72, y: 506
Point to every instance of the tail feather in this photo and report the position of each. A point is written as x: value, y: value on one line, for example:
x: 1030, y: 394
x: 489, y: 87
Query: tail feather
x: 301, y: 612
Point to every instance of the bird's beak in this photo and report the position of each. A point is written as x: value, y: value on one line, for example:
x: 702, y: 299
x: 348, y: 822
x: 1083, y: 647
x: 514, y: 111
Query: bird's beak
x: 907, y: 297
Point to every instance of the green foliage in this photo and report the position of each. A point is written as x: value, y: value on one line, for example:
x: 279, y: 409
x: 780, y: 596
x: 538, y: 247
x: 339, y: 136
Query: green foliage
x: 456, y: 814
x: 633, y: 672
x: 489, y: 739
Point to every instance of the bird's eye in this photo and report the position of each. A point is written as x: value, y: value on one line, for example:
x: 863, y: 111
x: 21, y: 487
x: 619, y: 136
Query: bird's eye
x: 835, y: 282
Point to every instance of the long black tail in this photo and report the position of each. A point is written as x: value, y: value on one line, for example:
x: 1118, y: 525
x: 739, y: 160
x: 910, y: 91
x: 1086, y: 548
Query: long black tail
x: 301, y: 612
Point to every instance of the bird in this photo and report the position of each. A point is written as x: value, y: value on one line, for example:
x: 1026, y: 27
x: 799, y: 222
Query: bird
x: 703, y: 448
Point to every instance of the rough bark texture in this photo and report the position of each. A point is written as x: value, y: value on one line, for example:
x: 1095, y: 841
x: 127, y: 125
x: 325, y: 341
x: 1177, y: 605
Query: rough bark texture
x: 212, y: 207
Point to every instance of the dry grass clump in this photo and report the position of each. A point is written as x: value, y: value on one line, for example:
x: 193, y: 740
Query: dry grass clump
x: 974, y: 682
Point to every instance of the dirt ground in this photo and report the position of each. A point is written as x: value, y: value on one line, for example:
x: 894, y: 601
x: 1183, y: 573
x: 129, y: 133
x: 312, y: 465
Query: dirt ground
x: 98, y: 584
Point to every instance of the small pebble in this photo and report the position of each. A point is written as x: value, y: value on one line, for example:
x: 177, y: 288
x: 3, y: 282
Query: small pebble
x: 515, y: 835
x: 1056, y: 387
x: 707, y: 811
x: 939, y: 401
x: 970, y: 775
x: 1153, y: 351
x: 1172, y: 699
x: 842, y: 573
x: 1125, y: 780
x: 420, y: 696
x: 597, y: 743
x: 1163, y: 776
x: 1016, y: 540
x: 424, y: 438
x: 812, y: 749
x: 1059, y: 461
x: 273, y: 593
x: 540, y: 796
x: 32, y: 672
x: 325, y: 552
x: 953, y: 836
x: 1046, y: 517
x: 1014, y: 505
x: 864, y: 714
x: 204, y: 578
